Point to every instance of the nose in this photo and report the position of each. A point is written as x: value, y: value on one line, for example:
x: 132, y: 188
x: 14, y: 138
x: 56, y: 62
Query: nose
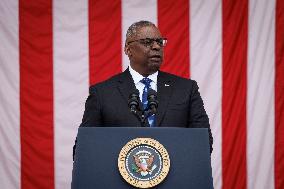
x: 156, y: 46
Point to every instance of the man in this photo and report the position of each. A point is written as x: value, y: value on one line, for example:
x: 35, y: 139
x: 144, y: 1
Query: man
x: 180, y: 104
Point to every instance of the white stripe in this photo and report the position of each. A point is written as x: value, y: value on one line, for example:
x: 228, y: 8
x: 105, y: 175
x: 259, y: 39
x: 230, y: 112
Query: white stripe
x: 260, y: 114
x: 133, y: 11
x: 206, y: 69
x: 71, y: 81
x: 9, y: 96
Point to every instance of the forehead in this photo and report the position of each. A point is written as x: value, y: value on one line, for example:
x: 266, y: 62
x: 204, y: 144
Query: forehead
x: 148, y: 32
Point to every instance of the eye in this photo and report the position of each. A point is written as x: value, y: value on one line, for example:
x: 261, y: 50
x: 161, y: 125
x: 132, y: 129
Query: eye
x: 160, y: 41
x: 147, y: 42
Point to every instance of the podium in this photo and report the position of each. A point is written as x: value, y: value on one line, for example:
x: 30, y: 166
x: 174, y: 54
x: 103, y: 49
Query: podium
x: 98, y: 148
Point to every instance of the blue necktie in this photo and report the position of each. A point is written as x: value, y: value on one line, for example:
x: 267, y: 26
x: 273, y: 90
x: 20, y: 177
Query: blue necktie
x: 146, y: 81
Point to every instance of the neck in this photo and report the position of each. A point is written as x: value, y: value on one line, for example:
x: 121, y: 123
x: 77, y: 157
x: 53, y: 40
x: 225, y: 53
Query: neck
x: 141, y: 71
x: 138, y: 70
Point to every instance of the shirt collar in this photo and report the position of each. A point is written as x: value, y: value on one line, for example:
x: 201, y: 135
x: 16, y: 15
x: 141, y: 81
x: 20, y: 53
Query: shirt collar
x: 138, y: 77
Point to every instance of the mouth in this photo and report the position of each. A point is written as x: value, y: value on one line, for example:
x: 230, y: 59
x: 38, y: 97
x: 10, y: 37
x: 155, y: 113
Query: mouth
x: 156, y: 57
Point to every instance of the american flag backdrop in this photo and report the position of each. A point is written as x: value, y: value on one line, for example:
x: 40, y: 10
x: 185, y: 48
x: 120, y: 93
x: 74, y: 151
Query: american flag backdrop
x: 51, y: 51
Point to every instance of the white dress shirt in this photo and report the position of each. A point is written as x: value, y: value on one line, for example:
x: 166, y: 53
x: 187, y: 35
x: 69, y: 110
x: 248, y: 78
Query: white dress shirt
x: 137, y: 80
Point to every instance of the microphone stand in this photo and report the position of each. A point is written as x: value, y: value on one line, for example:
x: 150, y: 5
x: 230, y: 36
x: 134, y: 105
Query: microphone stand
x: 140, y: 116
x: 143, y: 115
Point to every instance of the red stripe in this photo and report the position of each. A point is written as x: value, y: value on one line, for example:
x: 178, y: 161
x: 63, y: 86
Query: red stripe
x: 173, y: 22
x: 234, y: 78
x: 104, y: 39
x: 36, y: 94
x: 279, y: 97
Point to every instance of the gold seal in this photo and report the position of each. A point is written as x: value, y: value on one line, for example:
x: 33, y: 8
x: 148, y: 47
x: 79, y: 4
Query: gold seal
x: 143, y: 162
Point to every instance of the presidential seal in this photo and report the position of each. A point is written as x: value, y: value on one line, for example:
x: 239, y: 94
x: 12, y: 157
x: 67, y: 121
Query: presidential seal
x: 143, y: 162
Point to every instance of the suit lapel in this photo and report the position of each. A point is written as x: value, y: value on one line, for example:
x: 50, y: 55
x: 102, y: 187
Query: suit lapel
x: 165, y: 89
x: 126, y: 84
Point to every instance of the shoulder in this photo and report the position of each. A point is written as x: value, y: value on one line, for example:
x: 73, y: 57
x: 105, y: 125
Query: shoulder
x: 105, y: 84
x: 177, y: 80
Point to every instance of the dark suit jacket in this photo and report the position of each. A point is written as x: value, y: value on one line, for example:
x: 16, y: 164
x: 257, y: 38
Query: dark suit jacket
x: 180, y: 104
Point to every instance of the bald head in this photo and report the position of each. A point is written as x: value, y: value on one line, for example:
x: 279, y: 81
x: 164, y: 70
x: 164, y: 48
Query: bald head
x: 134, y: 28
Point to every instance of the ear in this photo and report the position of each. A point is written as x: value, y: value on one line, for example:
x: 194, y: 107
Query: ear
x: 127, y: 50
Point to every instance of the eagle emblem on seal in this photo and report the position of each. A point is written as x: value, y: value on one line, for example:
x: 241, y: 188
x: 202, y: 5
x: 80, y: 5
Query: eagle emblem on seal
x: 143, y: 163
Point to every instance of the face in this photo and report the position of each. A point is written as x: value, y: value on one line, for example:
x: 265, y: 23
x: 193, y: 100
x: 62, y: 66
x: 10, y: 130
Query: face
x: 144, y: 59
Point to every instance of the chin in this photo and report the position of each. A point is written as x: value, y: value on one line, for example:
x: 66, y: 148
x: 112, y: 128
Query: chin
x: 154, y: 66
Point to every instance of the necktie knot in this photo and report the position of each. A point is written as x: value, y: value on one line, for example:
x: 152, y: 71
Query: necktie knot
x: 146, y: 81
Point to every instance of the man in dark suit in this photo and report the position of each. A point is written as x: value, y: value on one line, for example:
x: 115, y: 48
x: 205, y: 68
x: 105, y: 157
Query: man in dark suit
x: 180, y: 104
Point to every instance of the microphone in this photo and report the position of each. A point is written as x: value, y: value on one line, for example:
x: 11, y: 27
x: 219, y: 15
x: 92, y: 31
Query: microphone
x: 152, y: 101
x: 134, y: 105
x: 133, y: 101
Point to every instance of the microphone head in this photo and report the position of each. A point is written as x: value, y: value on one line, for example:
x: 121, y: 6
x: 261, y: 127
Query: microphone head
x: 152, y: 96
x: 133, y: 101
x: 152, y: 100
x: 152, y: 92
x: 134, y: 95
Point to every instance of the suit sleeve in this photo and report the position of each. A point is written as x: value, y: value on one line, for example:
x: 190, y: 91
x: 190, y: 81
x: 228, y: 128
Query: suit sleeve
x: 92, y: 115
x: 198, y: 117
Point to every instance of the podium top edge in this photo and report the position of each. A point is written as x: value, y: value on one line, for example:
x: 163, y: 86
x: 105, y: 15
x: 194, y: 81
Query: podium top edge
x: 141, y: 128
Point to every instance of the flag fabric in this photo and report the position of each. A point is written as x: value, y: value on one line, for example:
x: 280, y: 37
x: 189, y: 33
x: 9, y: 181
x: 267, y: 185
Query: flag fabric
x: 51, y: 51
